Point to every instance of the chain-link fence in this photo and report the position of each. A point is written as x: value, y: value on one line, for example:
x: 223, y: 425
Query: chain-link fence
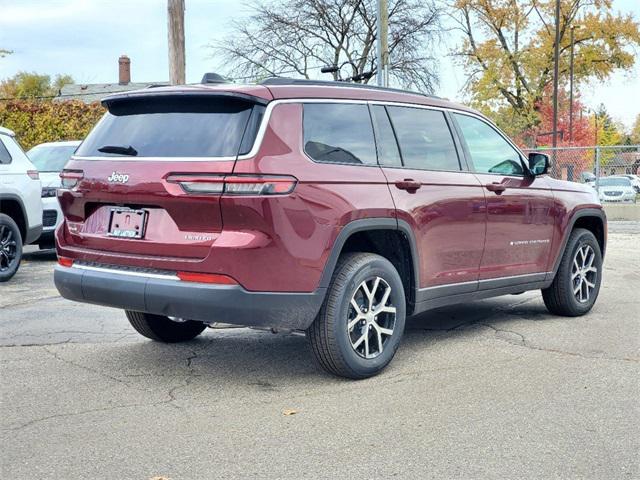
x: 591, y: 164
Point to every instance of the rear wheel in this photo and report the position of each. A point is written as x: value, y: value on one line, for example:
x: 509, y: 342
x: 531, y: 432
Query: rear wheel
x: 10, y: 248
x: 577, y: 283
x: 164, y: 329
x: 361, y: 322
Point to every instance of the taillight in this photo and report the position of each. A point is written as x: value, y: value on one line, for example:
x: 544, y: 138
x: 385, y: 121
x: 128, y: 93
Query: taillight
x: 199, y: 183
x: 263, y: 185
x: 206, y: 278
x: 65, y: 261
x: 235, y: 184
x: 33, y: 174
x: 70, y: 178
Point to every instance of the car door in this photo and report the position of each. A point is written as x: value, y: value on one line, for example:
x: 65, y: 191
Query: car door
x: 443, y: 204
x: 520, y: 208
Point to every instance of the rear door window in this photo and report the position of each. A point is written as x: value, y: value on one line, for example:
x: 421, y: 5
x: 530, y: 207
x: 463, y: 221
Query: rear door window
x: 339, y: 133
x: 425, y: 139
x: 175, y: 127
x: 388, y: 153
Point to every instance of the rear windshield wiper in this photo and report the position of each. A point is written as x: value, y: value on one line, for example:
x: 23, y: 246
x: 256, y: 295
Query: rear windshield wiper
x: 119, y: 149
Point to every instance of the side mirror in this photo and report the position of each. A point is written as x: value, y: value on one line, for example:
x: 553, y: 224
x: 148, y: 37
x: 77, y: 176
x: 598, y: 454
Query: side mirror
x: 539, y: 163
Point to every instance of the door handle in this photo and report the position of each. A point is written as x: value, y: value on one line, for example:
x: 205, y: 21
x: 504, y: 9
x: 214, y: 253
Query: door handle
x: 408, y: 184
x: 495, y: 187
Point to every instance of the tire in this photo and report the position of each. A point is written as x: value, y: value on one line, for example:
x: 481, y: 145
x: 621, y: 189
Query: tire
x: 163, y: 329
x: 10, y: 248
x: 342, y: 352
x: 561, y: 297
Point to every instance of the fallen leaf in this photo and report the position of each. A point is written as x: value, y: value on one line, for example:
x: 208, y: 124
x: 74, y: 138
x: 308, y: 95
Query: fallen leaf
x: 289, y: 411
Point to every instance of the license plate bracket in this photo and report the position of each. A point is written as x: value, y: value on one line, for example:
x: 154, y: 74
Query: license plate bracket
x: 127, y: 223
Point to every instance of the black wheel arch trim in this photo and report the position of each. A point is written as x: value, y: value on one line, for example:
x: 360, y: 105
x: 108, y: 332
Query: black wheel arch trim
x: 366, y: 224
x: 584, y: 212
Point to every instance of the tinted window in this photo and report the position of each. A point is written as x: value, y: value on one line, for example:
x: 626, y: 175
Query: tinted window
x: 51, y: 158
x: 5, y: 156
x: 339, y: 133
x: 425, y: 139
x: 490, y: 153
x: 187, y: 127
x: 388, y: 153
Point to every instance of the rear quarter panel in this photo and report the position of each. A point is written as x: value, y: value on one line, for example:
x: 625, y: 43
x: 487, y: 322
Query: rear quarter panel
x: 298, y: 231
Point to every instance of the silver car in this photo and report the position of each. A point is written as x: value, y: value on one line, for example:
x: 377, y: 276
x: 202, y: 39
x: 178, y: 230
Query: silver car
x: 616, y: 189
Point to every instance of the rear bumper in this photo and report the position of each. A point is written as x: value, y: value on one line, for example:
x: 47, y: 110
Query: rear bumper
x: 195, y: 301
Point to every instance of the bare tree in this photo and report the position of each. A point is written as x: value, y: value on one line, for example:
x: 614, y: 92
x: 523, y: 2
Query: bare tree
x: 298, y: 37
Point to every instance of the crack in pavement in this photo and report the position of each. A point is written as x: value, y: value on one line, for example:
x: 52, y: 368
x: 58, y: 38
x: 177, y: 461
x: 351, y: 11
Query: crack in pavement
x: 28, y: 302
x: 84, y: 367
x: 171, y: 394
x: 522, y: 340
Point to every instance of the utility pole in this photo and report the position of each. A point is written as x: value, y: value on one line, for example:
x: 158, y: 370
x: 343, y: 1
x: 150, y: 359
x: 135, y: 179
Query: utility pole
x: 556, y: 49
x: 175, y: 18
x: 382, y: 44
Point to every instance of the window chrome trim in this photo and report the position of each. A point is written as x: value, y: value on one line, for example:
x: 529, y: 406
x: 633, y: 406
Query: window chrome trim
x: 257, y: 143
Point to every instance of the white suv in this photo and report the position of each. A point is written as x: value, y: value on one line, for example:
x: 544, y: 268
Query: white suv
x: 50, y: 158
x: 20, y: 204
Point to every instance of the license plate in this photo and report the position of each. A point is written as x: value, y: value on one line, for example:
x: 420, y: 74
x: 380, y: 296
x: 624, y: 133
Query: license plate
x: 127, y: 223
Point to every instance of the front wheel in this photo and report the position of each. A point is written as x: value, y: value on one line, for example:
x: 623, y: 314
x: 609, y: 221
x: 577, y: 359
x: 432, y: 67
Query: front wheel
x: 576, y: 285
x: 361, y: 322
x: 10, y: 248
x: 164, y: 329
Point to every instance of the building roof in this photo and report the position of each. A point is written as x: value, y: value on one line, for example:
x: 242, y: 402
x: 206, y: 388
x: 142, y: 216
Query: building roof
x: 95, y: 92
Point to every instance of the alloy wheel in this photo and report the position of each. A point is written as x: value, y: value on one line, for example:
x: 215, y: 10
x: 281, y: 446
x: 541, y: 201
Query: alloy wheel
x: 583, y: 273
x: 372, y: 317
x: 8, y: 247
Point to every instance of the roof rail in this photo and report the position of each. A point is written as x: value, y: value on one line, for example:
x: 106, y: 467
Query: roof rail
x: 329, y: 83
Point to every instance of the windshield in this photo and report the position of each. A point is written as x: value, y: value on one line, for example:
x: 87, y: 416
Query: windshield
x: 615, y: 182
x: 51, y: 158
x: 174, y: 127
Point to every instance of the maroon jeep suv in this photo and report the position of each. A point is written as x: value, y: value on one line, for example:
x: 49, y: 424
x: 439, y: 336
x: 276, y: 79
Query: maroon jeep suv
x: 333, y: 209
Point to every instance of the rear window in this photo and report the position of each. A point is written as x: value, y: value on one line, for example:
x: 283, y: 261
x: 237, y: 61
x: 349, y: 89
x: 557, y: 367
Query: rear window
x: 339, y: 133
x: 175, y: 127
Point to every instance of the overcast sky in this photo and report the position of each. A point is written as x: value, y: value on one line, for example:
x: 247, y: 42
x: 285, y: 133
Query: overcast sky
x: 84, y: 38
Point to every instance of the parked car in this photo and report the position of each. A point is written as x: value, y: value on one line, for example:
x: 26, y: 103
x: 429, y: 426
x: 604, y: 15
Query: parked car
x: 616, y: 189
x: 50, y: 158
x: 635, y: 181
x: 327, y: 208
x: 20, y: 206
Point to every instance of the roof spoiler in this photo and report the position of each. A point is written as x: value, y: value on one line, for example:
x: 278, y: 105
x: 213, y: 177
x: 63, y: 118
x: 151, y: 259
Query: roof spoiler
x: 170, y: 93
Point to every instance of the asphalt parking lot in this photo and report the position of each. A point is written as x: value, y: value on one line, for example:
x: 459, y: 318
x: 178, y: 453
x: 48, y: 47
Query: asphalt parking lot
x: 493, y: 389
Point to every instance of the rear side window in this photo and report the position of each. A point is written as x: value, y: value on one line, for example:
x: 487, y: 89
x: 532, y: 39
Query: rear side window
x: 425, y: 140
x: 490, y: 152
x: 5, y: 156
x: 388, y: 153
x: 339, y: 133
x: 174, y: 127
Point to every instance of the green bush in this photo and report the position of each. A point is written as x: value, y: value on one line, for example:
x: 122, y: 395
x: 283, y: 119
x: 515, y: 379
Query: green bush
x: 45, y: 121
